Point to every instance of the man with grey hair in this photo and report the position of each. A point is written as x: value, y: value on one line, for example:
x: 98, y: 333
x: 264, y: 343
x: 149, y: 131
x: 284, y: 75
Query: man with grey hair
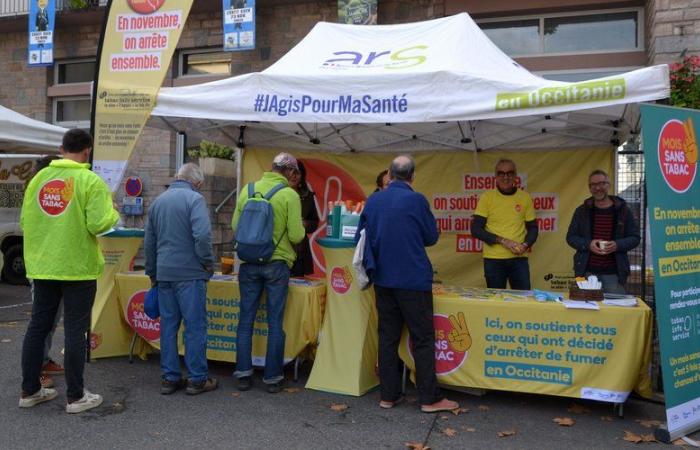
x: 399, y: 225
x: 179, y: 262
x: 271, y: 275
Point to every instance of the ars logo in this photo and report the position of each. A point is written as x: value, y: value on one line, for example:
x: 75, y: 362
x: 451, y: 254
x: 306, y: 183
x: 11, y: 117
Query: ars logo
x: 55, y: 196
x: 145, y: 6
x: 678, y: 154
x: 341, y: 279
x: 452, y: 342
x: 146, y: 327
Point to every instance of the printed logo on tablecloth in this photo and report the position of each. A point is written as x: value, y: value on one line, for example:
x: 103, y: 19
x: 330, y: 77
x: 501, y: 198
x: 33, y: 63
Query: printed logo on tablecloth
x: 146, y: 327
x: 452, y: 342
x: 95, y: 341
x: 145, y: 6
x: 678, y: 154
x: 341, y: 279
x: 55, y: 196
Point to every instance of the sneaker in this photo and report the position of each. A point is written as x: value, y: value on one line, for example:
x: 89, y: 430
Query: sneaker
x: 46, y: 381
x: 274, y: 388
x: 167, y: 387
x: 386, y: 404
x: 40, y: 396
x: 209, y: 384
x: 52, y: 368
x: 88, y: 401
x: 442, y: 405
x: 245, y: 383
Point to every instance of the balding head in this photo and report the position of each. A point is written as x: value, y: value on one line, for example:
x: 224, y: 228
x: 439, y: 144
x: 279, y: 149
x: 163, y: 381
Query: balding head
x: 402, y: 168
x: 192, y: 173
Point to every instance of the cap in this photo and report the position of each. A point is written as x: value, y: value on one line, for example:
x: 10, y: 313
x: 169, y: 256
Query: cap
x: 285, y: 160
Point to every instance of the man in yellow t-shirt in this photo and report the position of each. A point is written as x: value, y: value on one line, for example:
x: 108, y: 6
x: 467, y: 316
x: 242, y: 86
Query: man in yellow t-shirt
x: 505, y: 220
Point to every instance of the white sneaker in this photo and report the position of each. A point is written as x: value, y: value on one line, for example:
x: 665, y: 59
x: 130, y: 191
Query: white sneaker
x: 40, y: 396
x: 88, y: 401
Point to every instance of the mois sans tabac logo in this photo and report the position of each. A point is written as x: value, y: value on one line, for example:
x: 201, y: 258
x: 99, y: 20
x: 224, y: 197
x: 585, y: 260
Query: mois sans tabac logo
x: 678, y: 154
x: 55, y: 196
x: 145, y: 6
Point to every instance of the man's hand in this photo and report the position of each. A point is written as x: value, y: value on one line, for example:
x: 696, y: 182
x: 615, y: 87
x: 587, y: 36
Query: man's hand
x: 600, y: 247
x: 209, y: 269
x: 154, y: 282
x: 515, y: 247
x: 459, y: 338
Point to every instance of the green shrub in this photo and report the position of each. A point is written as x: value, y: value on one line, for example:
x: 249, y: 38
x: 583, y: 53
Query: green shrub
x: 208, y: 149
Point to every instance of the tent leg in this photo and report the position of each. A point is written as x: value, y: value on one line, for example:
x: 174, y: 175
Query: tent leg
x: 131, y: 348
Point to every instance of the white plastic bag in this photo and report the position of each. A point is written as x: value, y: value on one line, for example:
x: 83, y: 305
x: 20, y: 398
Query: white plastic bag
x: 360, y: 274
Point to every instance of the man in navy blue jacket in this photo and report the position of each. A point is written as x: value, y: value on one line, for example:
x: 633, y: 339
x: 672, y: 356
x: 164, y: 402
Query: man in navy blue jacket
x: 179, y: 261
x: 399, y: 225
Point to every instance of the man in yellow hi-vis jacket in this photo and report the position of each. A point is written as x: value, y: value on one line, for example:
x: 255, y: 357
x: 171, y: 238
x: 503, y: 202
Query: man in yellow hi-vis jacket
x: 65, y: 207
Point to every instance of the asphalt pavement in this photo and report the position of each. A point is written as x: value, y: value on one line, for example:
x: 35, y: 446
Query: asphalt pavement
x: 135, y: 415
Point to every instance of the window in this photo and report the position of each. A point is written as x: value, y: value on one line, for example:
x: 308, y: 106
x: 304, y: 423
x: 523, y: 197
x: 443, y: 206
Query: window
x: 75, y: 71
x: 205, y: 62
x: 72, y: 112
x: 618, y: 30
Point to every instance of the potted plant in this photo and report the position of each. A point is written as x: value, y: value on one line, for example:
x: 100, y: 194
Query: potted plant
x: 214, y: 159
x: 685, y: 82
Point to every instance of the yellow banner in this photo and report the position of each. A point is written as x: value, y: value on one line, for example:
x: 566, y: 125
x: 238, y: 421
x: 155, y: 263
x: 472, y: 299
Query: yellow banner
x: 557, y: 180
x: 302, y: 317
x: 137, y: 46
x: 109, y: 336
x: 486, y: 341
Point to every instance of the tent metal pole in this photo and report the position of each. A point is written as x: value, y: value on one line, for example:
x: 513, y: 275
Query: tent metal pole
x: 590, y: 125
x: 239, y: 158
x: 341, y: 137
x: 521, y: 138
x: 558, y: 133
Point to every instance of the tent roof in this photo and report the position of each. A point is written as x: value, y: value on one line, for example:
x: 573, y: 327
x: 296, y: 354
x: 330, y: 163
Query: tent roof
x: 427, y: 85
x: 20, y: 134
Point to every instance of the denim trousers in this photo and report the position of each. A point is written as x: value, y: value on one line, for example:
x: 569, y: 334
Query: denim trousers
x: 78, y: 298
x: 49, y: 337
x: 414, y: 308
x: 515, y: 271
x: 183, y: 301
x: 273, y: 278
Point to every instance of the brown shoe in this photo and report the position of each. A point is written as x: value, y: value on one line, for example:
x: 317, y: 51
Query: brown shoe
x: 52, y: 368
x: 209, y: 384
x: 442, y: 405
x: 46, y: 381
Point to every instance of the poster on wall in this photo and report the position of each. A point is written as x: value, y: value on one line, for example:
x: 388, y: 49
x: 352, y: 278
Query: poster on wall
x: 671, y: 165
x: 42, y: 17
x: 239, y: 25
x: 556, y: 180
x: 357, y: 12
x: 136, y: 47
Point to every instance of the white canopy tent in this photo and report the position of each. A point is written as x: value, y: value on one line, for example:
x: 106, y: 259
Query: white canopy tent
x: 20, y: 134
x: 433, y: 85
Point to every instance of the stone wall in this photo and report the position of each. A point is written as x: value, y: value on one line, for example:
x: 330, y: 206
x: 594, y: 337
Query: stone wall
x: 672, y: 26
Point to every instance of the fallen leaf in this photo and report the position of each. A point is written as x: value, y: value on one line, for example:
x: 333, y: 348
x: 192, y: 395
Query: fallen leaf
x: 679, y: 442
x: 451, y: 432
x: 339, y: 407
x: 506, y: 433
x: 483, y: 408
x: 648, y: 438
x: 235, y: 394
x: 417, y: 446
x: 291, y: 390
x: 578, y: 409
x: 469, y: 429
x: 443, y: 417
x: 411, y: 399
x: 459, y: 411
x: 607, y: 418
x: 5, y: 341
x: 563, y: 421
x: 632, y: 437
x: 649, y: 423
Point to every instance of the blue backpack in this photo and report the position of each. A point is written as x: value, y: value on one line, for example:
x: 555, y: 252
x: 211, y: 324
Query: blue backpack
x: 253, y: 240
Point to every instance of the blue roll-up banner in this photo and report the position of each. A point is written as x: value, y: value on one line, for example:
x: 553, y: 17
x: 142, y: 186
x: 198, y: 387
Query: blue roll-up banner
x: 42, y: 17
x: 239, y: 25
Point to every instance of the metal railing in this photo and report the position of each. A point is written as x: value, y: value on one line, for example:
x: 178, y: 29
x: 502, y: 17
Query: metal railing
x: 12, y: 8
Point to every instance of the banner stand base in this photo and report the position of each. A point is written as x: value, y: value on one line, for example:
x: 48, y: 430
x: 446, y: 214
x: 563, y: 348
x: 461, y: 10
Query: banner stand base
x: 662, y: 434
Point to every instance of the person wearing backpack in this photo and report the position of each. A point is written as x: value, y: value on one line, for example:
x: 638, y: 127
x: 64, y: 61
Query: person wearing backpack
x: 266, y: 224
x: 179, y: 261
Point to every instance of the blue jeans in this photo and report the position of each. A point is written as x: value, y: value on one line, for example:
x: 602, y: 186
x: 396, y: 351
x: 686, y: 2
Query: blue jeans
x: 183, y: 301
x: 273, y: 277
x: 516, y: 271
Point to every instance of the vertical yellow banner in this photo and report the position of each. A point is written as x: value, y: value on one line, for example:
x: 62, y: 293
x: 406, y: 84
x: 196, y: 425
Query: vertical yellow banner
x: 137, y: 45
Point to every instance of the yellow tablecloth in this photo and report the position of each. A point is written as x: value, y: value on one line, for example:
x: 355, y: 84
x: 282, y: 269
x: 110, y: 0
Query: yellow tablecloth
x: 492, y: 340
x: 302, y: 317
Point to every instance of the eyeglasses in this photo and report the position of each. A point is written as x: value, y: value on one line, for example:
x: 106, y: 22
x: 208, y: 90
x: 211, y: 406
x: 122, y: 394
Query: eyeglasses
x: 509, y: 174
x: 600, y: 184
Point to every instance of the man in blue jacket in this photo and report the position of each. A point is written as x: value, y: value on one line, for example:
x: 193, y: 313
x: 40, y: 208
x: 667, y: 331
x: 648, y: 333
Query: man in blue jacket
x: 399, y: 225
x: 602, y: 231
x: 179, y: 261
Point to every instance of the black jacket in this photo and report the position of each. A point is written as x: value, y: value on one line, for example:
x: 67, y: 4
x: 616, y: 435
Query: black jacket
x: 625, y: 235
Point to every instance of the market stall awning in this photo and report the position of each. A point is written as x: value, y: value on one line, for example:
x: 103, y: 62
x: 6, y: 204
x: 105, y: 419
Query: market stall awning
x: 20, y: 134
